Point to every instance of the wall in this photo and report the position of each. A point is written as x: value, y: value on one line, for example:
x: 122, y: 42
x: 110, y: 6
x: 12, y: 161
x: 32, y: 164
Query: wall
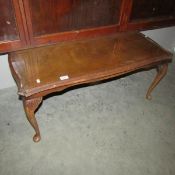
x: 165, y: 37
x: 6, y: 79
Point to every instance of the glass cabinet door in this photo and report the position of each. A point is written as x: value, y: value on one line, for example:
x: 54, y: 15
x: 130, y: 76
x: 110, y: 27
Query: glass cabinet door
x: 146, y: 10
x: 12, y: 35
x: 53, y: 16
x: 8, y: 27
x: 148, y: 14
x: 57, y: 20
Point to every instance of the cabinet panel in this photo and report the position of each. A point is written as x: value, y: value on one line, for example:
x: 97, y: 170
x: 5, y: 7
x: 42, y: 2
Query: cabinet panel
x: 8, y: 29
x: 147, y: 14
x: 27, y: 23
x: 54, y: 16
x: 145, y: 9
x: 12, y: 29
x: 58, y: 20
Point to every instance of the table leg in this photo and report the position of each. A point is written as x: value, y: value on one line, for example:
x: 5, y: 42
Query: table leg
x: 30, y: 106
x: 161, y: 72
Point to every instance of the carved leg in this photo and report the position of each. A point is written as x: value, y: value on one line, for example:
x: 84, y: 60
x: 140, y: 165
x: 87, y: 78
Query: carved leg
x: 30, y: 106
x: 161, y: 72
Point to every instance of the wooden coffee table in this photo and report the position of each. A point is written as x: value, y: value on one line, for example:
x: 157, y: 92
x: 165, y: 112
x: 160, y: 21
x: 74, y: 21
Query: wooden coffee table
x: 44, y: 70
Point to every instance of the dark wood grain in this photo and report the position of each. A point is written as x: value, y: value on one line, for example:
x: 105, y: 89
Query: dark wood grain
x: 71, y: 19
x: 67, y: 22
x: 144, y: 9
x: 144, y: 14
x: 55, y: 16
x: 83, y: 60
x: 149, y: 24
x: 8, y: 27
x: 30, y: 23
x: 13, y: 33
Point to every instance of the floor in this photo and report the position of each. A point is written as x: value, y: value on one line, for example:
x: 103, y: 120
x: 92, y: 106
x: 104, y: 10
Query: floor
x: 103, y: 129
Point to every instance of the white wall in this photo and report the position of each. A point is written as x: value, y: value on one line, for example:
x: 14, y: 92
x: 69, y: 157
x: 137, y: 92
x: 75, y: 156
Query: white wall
x: 165, y: 37
x: 6, y: 79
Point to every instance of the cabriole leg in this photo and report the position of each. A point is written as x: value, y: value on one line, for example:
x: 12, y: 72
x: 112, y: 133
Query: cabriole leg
x: 161, y: 72
x: 30, y: 106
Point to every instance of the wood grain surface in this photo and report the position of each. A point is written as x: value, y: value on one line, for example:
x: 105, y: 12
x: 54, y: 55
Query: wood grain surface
x: 41, y: 69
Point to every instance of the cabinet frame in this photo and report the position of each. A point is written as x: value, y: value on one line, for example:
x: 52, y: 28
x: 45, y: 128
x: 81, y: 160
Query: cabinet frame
x: 144, y: 24
x: 23, y: 41
x: 68, y: 35
x: 27, y: 39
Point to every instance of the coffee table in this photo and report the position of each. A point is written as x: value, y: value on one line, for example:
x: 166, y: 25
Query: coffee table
x: 44, y: 70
